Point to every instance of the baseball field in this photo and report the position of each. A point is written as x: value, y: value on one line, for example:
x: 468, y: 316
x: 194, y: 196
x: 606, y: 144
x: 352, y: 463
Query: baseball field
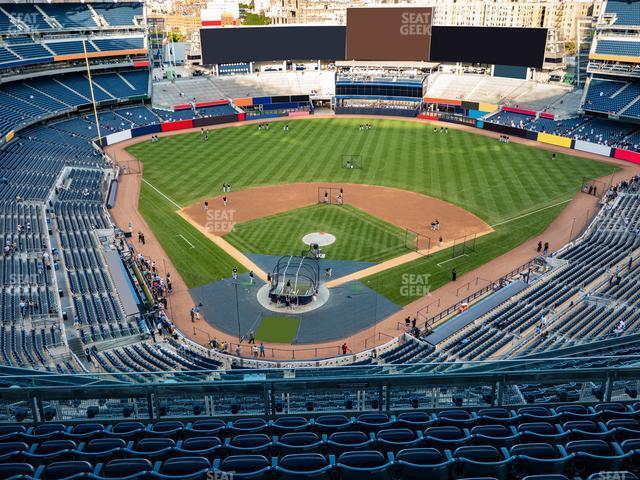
x: 515, y: 189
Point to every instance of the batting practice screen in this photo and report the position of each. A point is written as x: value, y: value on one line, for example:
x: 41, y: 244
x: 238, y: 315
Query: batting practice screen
x: 388, y: 33
x: 522, y: 47
x: 256, y: 44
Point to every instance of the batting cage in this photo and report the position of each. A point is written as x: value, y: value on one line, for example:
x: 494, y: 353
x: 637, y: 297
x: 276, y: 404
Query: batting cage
x: 594, y: 187
x: 295, y: 280
x: 331, y: 195
x: 352, y: 162
x: 417, y: 242
x: 463, y: 246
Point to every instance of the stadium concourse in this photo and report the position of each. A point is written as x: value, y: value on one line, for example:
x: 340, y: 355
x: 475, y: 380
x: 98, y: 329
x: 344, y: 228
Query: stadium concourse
x: 574, y: 218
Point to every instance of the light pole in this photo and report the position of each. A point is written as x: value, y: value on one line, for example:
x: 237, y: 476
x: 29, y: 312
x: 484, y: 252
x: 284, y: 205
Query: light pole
x: 573, y: 223
x: 235, y: 286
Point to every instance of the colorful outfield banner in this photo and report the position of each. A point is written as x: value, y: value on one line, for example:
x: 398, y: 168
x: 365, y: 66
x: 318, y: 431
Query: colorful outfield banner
x: 592, y: 148
x: 554, y: 140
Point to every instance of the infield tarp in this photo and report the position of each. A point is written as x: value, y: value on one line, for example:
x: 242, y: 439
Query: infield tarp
x: 555, y: 140
x: 592, y: 148
x: 277, y: 42
x: 118, y: 137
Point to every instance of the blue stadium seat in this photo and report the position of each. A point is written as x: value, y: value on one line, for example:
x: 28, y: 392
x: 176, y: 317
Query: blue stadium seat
x: 420, y: 463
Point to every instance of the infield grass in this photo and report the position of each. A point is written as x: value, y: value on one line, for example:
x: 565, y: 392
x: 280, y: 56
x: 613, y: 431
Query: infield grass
x: 359, y: 236
x: 495, y: 181
x: 277, y: 329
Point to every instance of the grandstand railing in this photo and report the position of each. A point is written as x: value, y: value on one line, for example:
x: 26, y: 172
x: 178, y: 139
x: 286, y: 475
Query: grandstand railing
x: 70, y: 395
x: 469, y: 299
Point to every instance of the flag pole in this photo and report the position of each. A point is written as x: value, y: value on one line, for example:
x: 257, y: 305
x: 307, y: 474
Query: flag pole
x: 93, y: 99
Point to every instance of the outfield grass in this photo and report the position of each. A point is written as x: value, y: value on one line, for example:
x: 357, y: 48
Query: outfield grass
x: 493, y: 180
x: 277, y: 329
x: 359, y: 236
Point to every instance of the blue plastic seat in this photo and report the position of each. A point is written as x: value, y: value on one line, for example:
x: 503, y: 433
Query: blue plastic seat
x: 303, y: 465
x: 102, y: 449
x: 154, y: 448
x: 167, y: 428
x: 126, y: 430
x: 445, y: 437
x: 421, y: 463
x: 257, y: 443
x: 191, y: 467
x: 609, y: 411
x: 248, y: 425
x: 198, y: 446
x: 206, y: 427
x: 371, y: 422
x: 592, y: 456
x: 575, y: 412
x: 290, y: 424
x: 12, y: 450
x: 536, y: 414
x: 395, y: 439
x: 366, y: 464
x: 585, y: 429
x: 60, y: 470
x: 415, y: 420
x: 496, y: 435
x: 340, y: 442
x: 9, y: 470
x: 125, y: 467
x: 246, y: 466
x: 299, y: 442
x: 331, y: 423
x: 457, y: 417
x: 481, y: 461
x: 540, y: 432
x: 538, y: 459
x: 496, y: 415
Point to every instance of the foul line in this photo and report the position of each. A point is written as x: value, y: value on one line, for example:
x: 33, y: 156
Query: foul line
x: 167, y: 198
x: 530, y: 213
x: 182, y: 236
x: 453, y: 258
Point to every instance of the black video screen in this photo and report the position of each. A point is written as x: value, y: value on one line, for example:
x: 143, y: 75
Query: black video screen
x: 521, y: 47
x: 256, y: 44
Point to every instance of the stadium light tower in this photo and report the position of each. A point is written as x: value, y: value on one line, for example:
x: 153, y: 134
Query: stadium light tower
x: 93, y: 99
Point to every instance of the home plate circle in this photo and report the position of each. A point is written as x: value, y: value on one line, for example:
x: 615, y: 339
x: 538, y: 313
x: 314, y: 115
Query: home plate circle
x: 322, y: 239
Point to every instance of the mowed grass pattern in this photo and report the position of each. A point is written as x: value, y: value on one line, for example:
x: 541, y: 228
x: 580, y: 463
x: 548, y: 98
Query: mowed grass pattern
x: 493, y: 180
x: 359, y: 236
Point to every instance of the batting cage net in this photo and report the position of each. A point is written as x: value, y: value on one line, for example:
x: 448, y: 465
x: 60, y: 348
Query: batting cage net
x: 352, y: 162
x: 594, y: 187
x: 331, y: 195
x: 463, y: 246
x: 417, y: 242
x: 130, y: 167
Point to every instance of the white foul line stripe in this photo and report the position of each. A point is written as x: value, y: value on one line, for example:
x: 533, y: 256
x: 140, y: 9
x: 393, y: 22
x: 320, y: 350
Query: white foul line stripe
x: 182, y: 236
x: 167, y: 198
x: 530, y: 213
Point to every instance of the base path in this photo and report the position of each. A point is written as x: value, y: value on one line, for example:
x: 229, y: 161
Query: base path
x: 407, y: 210
x: 581, y: 208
